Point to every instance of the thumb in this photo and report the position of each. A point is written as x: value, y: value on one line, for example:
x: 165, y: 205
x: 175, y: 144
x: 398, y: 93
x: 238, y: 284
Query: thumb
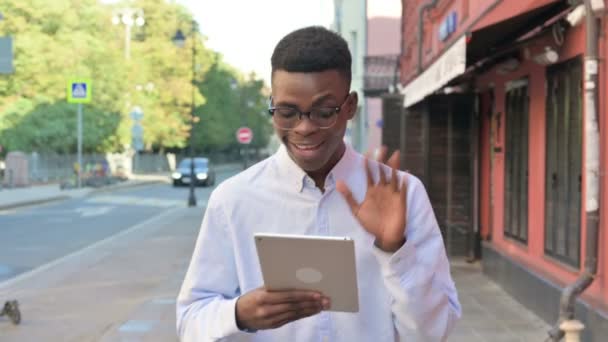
x: 348, y: 196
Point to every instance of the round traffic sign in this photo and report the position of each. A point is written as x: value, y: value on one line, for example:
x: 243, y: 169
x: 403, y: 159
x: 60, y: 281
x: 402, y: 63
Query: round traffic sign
x: 244, y: 135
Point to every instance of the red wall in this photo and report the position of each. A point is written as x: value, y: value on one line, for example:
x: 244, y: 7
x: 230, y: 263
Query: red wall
x: 468, y: 11
x: 532, y: 254
x: 473, y: 12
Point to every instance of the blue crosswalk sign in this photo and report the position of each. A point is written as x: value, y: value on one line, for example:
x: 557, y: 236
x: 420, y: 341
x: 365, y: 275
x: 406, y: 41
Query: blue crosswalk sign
x: 79, y: 91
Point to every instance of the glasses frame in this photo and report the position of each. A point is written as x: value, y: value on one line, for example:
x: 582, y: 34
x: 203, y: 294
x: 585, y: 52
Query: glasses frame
x: 337, y: 109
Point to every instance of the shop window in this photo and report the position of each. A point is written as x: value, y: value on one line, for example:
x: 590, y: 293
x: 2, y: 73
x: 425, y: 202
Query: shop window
x: 564, y: 161
x: 516, y: 160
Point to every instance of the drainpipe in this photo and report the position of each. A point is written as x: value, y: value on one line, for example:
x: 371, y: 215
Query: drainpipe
x: 592, y: 168
x: 426, y: 7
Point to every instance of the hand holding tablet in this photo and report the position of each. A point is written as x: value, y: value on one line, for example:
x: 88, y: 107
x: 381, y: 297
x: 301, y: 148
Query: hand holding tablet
x: 316, y: 263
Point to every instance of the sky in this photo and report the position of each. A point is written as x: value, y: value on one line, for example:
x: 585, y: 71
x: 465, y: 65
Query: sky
x: 246, y: 31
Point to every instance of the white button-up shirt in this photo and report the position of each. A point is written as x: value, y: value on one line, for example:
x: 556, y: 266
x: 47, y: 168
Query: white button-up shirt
x: 405, y: 296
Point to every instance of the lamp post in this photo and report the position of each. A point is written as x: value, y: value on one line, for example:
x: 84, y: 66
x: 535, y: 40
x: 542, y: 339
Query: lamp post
x: 129, y: 17
x: 179, y: 40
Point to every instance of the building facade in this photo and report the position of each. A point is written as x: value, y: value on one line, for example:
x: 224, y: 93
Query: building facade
x: 498, y: 111
x: 381, y: 64
x: 350, y: 22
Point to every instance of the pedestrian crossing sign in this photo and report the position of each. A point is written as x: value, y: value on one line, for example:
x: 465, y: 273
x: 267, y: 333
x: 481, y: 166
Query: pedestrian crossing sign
x: 79, y: 91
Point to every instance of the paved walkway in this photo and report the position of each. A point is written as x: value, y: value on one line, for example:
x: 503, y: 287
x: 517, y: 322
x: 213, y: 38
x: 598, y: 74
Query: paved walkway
x: 489, y: 313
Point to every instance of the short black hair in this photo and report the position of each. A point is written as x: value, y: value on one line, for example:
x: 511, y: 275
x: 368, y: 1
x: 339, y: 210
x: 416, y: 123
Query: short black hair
x: 312, y: 49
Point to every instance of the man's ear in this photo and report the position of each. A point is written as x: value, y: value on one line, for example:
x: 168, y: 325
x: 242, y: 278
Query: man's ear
x: 352, y: 108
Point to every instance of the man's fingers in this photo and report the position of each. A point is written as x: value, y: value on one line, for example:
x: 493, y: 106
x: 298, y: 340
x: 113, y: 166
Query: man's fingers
x: 290, y: 316
x: 291, y: 296
x: 403, y: 190
x: 381, y: 155
x: 273, y: 311
x: 394, y: 160
x: 368, y: 172
x: 348, y: 196
x: 382, y: 174
x: 394, y: 180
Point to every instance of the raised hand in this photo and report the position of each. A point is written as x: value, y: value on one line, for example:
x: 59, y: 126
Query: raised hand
x: 383, y: 210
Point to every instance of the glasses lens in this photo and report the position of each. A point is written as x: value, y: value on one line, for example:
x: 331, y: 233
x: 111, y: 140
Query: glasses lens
x: 285, y: 117
x: 288, y: 118
x: 324, y: 117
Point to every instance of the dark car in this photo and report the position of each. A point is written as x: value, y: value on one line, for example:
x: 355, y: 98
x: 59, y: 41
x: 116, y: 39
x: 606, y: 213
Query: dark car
x: 204, y: 174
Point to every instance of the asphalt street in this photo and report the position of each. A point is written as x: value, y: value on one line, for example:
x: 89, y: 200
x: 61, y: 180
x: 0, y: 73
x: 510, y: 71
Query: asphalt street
x: 34, y: 236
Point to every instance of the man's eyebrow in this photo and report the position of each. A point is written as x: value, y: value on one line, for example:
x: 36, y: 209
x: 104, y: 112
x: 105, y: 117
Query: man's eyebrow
x: 322, y: 99
x: 284, y: 104
x: 316, y: 103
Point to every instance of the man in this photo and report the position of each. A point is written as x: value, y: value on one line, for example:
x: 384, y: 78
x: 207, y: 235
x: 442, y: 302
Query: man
x: 317, y: 185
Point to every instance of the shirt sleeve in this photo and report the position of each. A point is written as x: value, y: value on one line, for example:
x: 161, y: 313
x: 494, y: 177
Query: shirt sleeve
x: 207, y: 300
x: 425, y: 303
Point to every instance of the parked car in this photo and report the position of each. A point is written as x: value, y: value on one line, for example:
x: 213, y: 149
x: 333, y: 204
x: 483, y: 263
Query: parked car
x: 204, y: 173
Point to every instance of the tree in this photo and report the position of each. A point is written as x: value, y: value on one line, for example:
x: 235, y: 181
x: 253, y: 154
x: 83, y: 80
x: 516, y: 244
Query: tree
x: 55, y: 41
x: 229, y: 107
x: 52, y: 128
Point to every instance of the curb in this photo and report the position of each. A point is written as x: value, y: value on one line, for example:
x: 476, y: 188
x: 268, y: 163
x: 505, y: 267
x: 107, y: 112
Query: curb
x: 109, y: 188
x: 66, y: 196
x: 34, y: 202
x: 126, y: 186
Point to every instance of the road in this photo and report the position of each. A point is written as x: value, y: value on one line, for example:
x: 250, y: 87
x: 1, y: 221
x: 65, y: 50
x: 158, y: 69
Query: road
x: 101, y: 268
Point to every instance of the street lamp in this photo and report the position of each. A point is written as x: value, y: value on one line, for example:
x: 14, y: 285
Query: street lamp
x: 129, y: 17
x: 179, y: 40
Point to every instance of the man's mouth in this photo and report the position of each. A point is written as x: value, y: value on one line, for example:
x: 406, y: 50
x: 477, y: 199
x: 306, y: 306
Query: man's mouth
x: 307, y: 147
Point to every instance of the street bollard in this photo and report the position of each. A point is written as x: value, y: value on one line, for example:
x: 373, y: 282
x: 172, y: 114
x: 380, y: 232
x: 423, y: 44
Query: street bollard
x: 11, y: 183
x: 572, y: 330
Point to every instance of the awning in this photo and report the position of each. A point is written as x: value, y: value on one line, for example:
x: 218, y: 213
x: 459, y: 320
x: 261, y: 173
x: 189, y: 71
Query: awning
x: 506, y: 22
x: 451, y: 64
x: 500, y: 26
x: 509, y: 9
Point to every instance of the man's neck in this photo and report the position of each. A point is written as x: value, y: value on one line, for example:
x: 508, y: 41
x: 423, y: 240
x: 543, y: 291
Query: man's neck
x: 320, y: 175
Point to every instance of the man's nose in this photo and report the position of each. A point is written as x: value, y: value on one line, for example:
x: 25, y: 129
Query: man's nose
x: 305, y: 126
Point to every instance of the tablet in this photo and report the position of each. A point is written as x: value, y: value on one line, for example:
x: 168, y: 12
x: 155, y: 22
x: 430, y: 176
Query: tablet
x: 305, y: 262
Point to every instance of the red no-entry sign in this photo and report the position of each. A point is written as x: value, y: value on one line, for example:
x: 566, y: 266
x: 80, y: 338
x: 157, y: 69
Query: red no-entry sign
x: 244, y: 135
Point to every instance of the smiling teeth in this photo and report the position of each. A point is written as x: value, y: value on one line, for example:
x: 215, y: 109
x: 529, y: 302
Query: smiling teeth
x: 307, y: 147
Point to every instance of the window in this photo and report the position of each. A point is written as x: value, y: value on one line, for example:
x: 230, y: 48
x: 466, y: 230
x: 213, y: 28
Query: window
x: 563, y: 163
x: 516, y: 160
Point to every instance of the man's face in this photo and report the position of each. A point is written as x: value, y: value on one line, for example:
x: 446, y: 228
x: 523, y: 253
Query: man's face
x: 310, y: 146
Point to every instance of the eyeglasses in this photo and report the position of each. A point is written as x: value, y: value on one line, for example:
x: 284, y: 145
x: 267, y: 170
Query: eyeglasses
x: 288, y: 118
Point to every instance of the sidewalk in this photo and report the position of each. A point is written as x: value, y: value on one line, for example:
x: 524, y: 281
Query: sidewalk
x: 489, y: 313
x: 119, y: 289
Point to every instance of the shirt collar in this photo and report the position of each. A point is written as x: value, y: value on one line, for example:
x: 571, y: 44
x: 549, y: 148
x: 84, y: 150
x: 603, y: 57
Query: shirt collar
x: 289, y: 169
x: 296, y: 176
x: 344, y: 168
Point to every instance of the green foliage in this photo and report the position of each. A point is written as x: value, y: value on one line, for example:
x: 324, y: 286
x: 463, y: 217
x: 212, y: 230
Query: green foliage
x: 52, y: 128
x: 232, y: 102
x: 57, y: 40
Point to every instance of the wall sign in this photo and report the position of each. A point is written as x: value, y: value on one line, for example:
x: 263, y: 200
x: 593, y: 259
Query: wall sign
x: 448, y: 26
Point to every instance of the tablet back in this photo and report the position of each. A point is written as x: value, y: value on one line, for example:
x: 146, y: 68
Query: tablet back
x: 321, y: 263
